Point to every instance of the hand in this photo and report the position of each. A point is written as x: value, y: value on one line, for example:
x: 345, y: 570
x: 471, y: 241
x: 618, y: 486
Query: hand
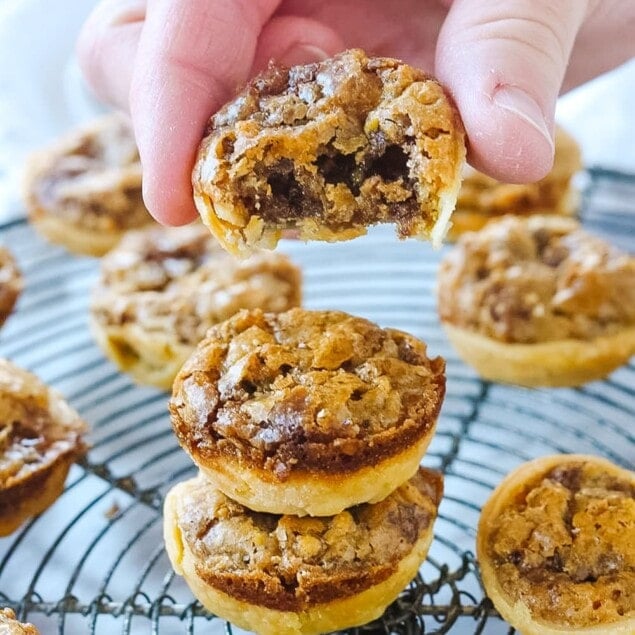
x: 174, y: 62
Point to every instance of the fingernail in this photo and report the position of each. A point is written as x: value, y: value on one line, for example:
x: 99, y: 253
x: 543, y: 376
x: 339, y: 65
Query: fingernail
x: 523, y: 105
x: 303, y: 54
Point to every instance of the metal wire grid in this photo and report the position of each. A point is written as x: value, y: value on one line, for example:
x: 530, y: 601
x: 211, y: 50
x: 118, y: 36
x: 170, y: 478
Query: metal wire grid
x: 94, y: 563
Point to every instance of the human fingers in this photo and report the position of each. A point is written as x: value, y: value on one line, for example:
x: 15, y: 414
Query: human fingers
x: 604, y: 41
x: 504, y: 63
x: 291, y: 40
x: 192, y: 56
x: 107, y: 46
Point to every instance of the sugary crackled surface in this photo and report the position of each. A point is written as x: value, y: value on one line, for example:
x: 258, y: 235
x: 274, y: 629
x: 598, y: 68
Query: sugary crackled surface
x: 330, y: 148
x: 177, y: 282
x: 566, y: 546
x: 90, y: 178
x: 10, y: 283
x: 306, y: 390
x: 9, y: 625
x: 36, y: 426
x: 291, y: 563
x: 537, y: 279
x: 486, y: 195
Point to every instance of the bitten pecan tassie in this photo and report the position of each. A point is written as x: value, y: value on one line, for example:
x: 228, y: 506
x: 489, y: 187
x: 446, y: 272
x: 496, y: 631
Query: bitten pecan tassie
x: 40, y: 437
x: 284, y: 575
x: 84, y: 190
x: 556, y: 547
x: 328, y: 149
x: 11, y: 283
x: 9, y: 625
x: 161, y: 289
x: 307, y: 412
x: 482, y: 198
x: 538, y: 301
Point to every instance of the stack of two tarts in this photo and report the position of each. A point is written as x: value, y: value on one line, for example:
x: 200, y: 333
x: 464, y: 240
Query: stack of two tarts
x: 311, y: 512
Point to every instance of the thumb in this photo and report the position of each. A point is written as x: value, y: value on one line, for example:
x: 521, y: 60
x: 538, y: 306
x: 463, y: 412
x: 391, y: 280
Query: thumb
x: 504, y: 63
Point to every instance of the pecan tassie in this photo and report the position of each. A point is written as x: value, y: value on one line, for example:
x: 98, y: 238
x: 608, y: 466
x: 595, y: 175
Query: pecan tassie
x: 556, y: 546
x: 40, y: 437
x: 329, y: 149
x: 162, y: 288
x: 84, y: 190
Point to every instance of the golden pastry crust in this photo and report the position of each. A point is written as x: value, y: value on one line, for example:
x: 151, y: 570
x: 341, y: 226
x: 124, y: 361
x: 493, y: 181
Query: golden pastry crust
x: 482, y: 198
x: 40, y: 437
x: 538, y: 301
x: 307, y: 412
x: 556, y: 550
x: 84, y: 190
x: 284, y: 574
x: 11, y: 284
x: 9, y: 625
x: 162, y: 288
x: 329, y: 149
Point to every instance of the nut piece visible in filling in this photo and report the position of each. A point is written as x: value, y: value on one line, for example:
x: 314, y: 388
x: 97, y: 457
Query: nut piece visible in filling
x: 10, y: 284
x: 482, y: 198
x: 84, y: 190
x: 162, y: 288
x: 558, y: 537
x: 9, y: 625
x: 329, y: 149
x: 539, y: 279
x: 40, y: 436
x: 284, y: 574
x: 307, y: 399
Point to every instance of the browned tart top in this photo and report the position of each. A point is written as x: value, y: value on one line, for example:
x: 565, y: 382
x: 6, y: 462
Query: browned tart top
x: 10, y: 283
x: 91, y: 177
x: 317, y: 391
x: 539, y: 279
x: 9, y: 625
x: 177, y: 282
x: 331, y: 148
x: 37, y: 428
x: 566, y: 545
x: 291, y: 563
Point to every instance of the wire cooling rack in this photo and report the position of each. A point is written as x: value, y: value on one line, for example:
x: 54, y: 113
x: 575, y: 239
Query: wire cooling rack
x: 94, y: 562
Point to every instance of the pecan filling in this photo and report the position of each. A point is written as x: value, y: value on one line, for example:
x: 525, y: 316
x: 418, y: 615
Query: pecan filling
x: 529, y: 281
x: 306, y: 390
x: 566, y: 546
x: 330, y: 149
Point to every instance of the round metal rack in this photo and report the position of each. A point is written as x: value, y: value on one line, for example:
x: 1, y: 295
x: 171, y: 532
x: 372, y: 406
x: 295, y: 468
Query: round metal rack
x: 94, y: 562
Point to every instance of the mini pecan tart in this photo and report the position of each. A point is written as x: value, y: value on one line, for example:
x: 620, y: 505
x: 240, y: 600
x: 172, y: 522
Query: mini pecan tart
x: 9, y: 625
x: 161, y: 288
x: 285, y: 575
x: 307, y: 412
x: 482, y: 198
x: 539, y: 302
x: 329, y: 149
x: 40, y: 437
x: 84, y: 190
x: 556, y: 547
x: 11, y: 284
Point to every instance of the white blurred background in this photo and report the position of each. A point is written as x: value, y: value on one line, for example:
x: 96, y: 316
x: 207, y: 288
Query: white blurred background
x: 42, y: 94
